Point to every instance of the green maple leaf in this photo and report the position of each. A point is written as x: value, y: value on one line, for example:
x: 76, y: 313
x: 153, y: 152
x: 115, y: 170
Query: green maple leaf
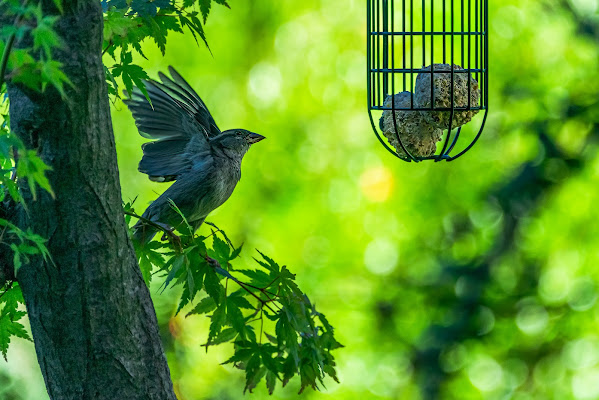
x: 10, y: 327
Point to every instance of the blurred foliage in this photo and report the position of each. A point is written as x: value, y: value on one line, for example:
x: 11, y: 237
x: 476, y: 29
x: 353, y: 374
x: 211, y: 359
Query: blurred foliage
x: 30, y: 63
x: 476, y: 279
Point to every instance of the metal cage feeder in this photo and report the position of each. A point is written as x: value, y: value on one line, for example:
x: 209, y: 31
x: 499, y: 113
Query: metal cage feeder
x: 436, y: 52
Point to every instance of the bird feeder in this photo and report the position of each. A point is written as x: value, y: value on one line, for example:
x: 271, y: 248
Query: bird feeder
x: 428, y: 75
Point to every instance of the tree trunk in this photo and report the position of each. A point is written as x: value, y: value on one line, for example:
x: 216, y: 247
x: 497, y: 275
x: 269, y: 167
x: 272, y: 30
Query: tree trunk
x: 93, y: 322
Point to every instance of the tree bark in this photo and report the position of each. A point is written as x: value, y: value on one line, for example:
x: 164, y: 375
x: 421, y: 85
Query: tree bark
x: 93, y: 322
x: 7, y: 268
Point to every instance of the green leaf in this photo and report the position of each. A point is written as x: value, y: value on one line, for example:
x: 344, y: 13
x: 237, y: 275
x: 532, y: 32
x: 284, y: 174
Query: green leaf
x: 271, y: 381
x: 221, y: 250
x: 242, y: 355
x: 45, y: 37
x: 269, y: 264
x: 131, y: 74
x: 189, y: 230
x: 51, y: 72
x: 146, y: 268
x: 196, y: 26
x: 185, y: 298
x: 31, y: 167
x: 205, y: 8
x: 226, y: 335
x: 258, y: 278
x: 190, y: 283
x: 9, y: 315
x: 235, y: 318
x: 219, y: 318
x: 58, y: 4
x: 307, y: 376
x: 117, y: 24
x: 254, y: 372
x: 175, y: 270
x: 16, y: 258
x: 11, y: 298
x: 266, y: 351
x: 206, y: 305
x: 222, y: 2
x: 240, y: 301
x: 235, y: 253
x: 212, y: 285
x: 10, y: 328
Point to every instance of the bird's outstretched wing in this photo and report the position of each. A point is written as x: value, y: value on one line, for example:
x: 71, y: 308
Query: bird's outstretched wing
x: 180, y: 90
x: 178, y: 120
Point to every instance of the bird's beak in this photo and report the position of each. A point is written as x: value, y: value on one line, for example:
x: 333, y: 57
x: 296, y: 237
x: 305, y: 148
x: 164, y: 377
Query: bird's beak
x: 255, y: 138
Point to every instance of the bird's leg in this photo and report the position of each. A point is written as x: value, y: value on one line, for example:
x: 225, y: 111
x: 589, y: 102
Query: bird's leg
x: 168, y: 233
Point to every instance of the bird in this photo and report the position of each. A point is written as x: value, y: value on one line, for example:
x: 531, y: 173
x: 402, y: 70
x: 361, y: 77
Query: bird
x: 188, y: 148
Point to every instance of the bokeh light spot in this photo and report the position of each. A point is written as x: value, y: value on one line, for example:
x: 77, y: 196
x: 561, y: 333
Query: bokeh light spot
x: 376, y: 184
x: 554, y: 285
x: 485, y: 374
x: 532, y: 319
x: 453, y: 358
x: 581, y: 353
x: 516, y: 372
x: 585, y: 384
x: 583, y: 294
x: 265, y: 84
x: 381, y: 256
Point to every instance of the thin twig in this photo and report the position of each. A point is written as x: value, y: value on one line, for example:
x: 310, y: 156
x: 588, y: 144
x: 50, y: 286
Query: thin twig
x: 107, y: 47
x: 273, y: 281
x: 261, y: 324
x: 167, y: 231
x: 147, y: 221
x: 263, y: 290
x: 214, y: 263
x: 253, y: 294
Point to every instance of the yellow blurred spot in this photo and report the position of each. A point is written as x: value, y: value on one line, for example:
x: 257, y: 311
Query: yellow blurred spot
x: 174, y: 327
x: 376, y: 184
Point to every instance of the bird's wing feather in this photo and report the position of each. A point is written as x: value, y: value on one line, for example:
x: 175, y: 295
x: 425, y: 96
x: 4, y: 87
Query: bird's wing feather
x: 179, y: 121
x: 178, y: 88
x: 169, y: 155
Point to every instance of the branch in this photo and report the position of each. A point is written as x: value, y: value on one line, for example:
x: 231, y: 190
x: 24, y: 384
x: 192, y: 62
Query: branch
x: 221, y: 271
x: 166, y: 231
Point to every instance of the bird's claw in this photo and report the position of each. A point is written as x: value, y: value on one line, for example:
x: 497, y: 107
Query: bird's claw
x: 168, y: 233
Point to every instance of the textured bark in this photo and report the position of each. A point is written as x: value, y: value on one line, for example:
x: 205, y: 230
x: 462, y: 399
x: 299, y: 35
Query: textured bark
x: 7, y: 268
x: 93, y: 322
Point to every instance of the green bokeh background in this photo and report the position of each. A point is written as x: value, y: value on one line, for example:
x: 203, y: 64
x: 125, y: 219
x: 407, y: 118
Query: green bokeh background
x: 410, y: 262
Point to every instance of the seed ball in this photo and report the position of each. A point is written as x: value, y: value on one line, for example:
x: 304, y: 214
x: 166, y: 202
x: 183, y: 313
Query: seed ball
x: 417, y: 135
x: 442, y: 95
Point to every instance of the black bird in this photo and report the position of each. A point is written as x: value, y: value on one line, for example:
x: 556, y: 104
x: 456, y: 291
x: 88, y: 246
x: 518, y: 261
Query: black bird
x: 189, y: 148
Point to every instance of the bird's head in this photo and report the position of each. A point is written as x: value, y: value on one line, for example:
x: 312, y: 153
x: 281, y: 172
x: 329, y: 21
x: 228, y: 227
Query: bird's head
x: 236, y: 142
